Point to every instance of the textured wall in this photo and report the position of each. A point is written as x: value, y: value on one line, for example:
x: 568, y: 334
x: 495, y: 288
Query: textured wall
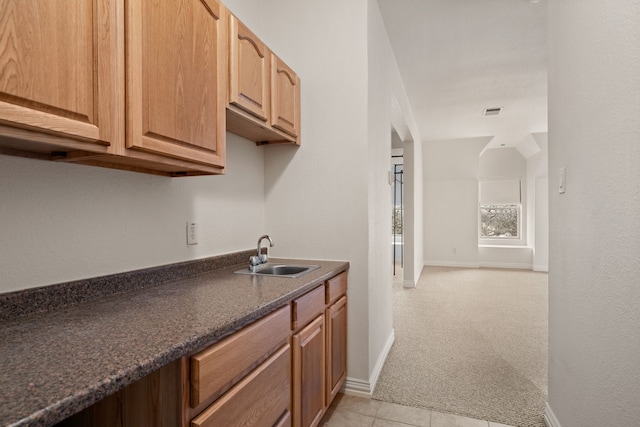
x: 451, y: 201
x: 61, y: 222
x: 316, y: 195
x: 538, y: 189
x: 334, y: 188
x: 381, y: 66
x: 594, y: 269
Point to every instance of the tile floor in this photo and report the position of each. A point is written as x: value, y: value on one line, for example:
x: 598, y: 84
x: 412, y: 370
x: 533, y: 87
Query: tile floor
x: 352, y: 411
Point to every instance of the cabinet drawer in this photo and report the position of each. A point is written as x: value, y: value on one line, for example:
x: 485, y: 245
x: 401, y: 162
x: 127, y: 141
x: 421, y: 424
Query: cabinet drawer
x: 307, y: 307
x: 336, y: 287
x: 263, y: 398
x: 216, y: 369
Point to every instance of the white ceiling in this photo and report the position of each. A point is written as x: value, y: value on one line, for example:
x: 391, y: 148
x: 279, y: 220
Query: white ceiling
x: 458, y: 57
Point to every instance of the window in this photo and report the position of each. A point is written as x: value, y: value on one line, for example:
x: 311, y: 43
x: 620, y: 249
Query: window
x: 500, y: 221
x: 500, y: 208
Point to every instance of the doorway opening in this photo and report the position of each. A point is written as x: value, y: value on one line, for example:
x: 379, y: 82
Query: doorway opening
x: 397, y: 242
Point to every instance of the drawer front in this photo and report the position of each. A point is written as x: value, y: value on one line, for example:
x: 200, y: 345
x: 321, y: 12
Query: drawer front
x: 216, y: 369
x: 263, y: 398
x: 307, y: 307
x: 336, y: 287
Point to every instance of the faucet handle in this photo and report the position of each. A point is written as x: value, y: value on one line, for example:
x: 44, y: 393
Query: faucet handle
x: 264, y: 258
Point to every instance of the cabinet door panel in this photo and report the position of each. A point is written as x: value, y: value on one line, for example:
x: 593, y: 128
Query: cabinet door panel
x: 59, y: 68
x: 309, y: 374
x: 249, y: 70
x: 174, y: 76
x: 285, y: 98
x: 336, y: 347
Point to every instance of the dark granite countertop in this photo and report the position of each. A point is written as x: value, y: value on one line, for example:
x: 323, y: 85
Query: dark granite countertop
x: 56, y: 363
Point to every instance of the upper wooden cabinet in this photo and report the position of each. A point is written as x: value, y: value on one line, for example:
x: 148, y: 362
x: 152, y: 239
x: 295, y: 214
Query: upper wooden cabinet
x: 249, y: 68
x: 285, y: 98
x: 59, y: 74
x: 264, y: 93
x: 175, y: 76
x: 69, y: 70
x: 144, y: 85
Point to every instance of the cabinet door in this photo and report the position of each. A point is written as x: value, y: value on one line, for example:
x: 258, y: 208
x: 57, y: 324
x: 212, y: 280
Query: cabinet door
x: 59, y: 69
x: 175, y: 74
x: 248, y: 71
x: 309, y: 374
x: 336, y: 347
x: 285, y: 98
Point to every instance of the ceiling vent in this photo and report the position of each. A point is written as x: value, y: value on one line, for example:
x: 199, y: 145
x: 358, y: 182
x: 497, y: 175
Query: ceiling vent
x: 492, y: 111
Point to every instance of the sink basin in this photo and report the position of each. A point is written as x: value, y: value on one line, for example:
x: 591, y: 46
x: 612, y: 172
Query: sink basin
x: 280, y: 270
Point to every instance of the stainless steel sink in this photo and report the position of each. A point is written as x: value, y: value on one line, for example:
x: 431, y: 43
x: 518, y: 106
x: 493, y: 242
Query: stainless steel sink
x: 280, y: 270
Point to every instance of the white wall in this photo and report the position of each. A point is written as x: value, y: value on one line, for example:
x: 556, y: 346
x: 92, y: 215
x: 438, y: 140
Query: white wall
x: 413, y: 221
x: 379, y: 57
x: 538, y: 192
x: 61, y: 222
x: 335, y: 186
x: 501, y: 163
x: 451, y: 171
x: 317, y: 195
x: 594, y: 269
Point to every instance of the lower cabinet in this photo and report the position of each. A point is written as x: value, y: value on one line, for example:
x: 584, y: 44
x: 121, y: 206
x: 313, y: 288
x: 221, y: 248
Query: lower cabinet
x: 336, y: 319
x: 309, y: 374
x: 319, y: 349
x: 282, y: 370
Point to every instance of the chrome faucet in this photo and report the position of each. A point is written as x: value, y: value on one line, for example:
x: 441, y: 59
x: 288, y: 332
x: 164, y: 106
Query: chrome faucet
x: 260, y: 258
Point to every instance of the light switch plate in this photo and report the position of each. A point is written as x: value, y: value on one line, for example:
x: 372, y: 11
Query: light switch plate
x: 562, y: 186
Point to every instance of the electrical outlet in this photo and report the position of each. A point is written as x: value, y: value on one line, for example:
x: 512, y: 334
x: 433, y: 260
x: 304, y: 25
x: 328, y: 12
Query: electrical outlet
x: 192, y: 233
x: 453, y: 250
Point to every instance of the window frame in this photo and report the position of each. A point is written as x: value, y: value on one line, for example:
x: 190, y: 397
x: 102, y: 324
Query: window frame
x: 503, y: 241
x: 518, y: 237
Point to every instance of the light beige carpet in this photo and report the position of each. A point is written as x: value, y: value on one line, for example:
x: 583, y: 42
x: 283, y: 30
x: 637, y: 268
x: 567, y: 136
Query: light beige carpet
x: 471, y: 342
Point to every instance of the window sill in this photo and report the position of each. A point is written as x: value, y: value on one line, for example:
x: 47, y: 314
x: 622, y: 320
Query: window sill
x: 485, y: 245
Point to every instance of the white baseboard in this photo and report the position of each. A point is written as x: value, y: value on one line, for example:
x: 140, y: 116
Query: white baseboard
x: 542, y: 268
x: 549, y: 417
x: 375, y: 374
x: 512, y: 265
x: 358, y: 387
x: 408, y: 284
x: 462, y: 264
